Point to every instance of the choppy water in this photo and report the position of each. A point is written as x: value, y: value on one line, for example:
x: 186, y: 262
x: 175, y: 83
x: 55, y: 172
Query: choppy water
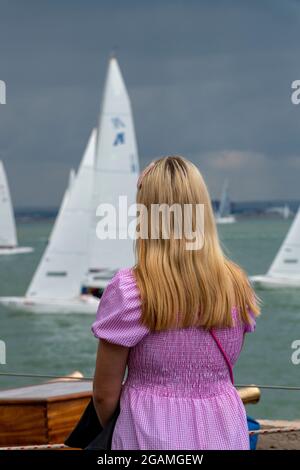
x: 54, y: 344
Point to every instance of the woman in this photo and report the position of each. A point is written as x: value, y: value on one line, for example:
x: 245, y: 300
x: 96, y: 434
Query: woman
x: 157, y: 318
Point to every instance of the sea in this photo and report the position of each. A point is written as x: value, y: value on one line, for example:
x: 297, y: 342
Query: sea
x: 60, y: 344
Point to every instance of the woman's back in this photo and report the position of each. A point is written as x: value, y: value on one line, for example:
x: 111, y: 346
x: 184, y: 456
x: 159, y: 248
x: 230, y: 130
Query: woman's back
x: 175, y: 316
x: 184, y: 362
x: 178, y: 382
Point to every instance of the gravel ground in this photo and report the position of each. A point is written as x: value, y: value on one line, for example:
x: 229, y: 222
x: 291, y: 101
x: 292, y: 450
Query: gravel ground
x: 280, y: 440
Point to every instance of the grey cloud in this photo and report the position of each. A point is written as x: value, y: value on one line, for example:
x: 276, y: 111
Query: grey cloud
x: 205, y: 77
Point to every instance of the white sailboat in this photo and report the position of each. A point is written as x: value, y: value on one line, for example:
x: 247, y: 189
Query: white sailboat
x: 116, y: 173
x: 76, y: 265
x: 283, y: 211
x: 224, y: 215
x: 8, y: 233
x: 286, y: 213
x: 285, y: 269
x: 56, y: 284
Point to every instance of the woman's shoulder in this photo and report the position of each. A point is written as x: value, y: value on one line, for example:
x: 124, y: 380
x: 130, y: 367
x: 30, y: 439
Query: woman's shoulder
x: 122, y: 289
x: 118, y: 318
x: 239, y: 323
x: 124, y: 275
x: 123, y: 284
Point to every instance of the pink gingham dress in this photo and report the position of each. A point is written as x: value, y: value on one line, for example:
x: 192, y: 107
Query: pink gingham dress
x: 178, y: 393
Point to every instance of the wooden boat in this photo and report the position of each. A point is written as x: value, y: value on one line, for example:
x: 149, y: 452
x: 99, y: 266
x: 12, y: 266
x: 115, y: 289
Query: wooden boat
x: 249, y: 395
x: 42, y: 414
x: 47, y: 413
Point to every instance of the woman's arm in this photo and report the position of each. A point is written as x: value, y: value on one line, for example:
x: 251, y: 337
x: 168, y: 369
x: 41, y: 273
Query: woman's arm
x: 109, y: 374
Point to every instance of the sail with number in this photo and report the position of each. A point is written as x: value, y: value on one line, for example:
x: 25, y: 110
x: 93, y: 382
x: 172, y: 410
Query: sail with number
x: 76, y: 264
x: 116, y: 173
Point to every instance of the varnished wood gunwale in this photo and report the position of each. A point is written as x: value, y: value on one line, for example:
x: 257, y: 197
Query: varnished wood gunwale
x: 41, y: 420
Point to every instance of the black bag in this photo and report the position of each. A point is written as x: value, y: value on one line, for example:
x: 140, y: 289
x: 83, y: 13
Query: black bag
x: 89, y: 434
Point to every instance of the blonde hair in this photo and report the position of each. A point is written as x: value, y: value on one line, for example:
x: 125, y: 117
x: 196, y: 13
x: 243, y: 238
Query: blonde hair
x: 183, y: 288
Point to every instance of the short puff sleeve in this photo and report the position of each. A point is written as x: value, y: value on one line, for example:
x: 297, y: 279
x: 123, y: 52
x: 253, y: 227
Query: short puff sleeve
x: 250, y: 327
x: 246, y: 327
x: 118, y: 318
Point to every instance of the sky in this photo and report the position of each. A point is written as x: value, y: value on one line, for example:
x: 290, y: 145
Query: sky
x: 208, y: 79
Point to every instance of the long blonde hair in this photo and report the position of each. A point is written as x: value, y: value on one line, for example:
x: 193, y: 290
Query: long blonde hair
x: 184, y: 288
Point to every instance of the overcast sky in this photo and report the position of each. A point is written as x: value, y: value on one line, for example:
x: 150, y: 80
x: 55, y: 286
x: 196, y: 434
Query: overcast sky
x: 207, y: 79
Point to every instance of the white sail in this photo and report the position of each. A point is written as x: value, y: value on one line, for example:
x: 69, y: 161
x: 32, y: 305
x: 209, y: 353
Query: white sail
x: 224, y: 215
x: 116, y: 173
x: 224, y: 208
x: 286, y: 211
x: 8, y: 235
x: 287, y: 260
x: 63, y: 265
x: 57, y: 223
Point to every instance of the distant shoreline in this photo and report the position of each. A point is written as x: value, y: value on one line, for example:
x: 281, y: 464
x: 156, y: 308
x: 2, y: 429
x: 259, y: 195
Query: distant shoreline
x: 248, y: 209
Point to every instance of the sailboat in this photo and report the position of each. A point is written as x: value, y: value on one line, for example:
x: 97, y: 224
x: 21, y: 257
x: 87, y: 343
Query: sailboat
x: 76, y: 265
x: 284, y: 211
x: 56, y: 284
x: 224, y: 215
x: 8, y: 233
x: 116, y: 174
x: 285, y: 269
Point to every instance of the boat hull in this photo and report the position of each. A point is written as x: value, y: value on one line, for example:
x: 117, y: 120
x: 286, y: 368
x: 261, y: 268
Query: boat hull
x: 81, y: 305
x: 226, y: 220
x: 271, y: 282
x: 19, y: 250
